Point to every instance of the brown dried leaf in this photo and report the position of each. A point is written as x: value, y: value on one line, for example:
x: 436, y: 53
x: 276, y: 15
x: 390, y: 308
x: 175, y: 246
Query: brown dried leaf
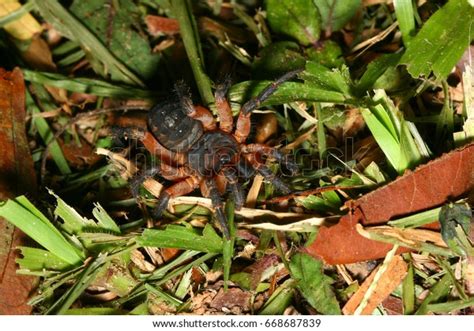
x: 429, y: 186
x: 257, y: 269
x: 158, y: 25
x: 79, y: 156
x: 17, y: 176
x: 388, y: 282
x: 38, y: 55
x: 266, y: 128
x: 393, y: 305
x: 233, y: 300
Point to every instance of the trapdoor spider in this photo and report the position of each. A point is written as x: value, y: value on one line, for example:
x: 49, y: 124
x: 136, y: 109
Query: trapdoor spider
x: 196, y: 152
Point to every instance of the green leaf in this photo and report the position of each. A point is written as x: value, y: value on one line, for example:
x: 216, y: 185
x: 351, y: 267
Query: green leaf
x: 114, y: 23
x: 87, y: 85
x: 36, y: 259
x: 392, y: 133
x: 277, y: 59
x: 441, y: 289
x: 228, y: 245
x: 297, y: 19
x: 405, y: 18
x: 329, y: 54
x: 87, y: 276
x: 455, y: 220
x: 336, y: 13
x: 319, y: 76
x: 314, y: 284
x: 104, y: 219
x: 279, y: 300
x: 94, y: 311
x: 24, y: 215
x: 74, y: 223
x: 182, y: 10
x: 116, y: 277
x: 375, y: 70
x: 441, y: 41
x: 47, y: 134
x: 69, y: 26
x: 408, y: 291
x: 286, y: 93
x: 176, y: 236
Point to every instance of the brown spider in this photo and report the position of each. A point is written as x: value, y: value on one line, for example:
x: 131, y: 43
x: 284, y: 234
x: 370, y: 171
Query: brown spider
x: 194, y: 151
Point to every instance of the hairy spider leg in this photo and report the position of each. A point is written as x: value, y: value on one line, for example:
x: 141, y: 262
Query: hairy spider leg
x: 165, y: 155
x: 243, y: 122
x: 263, y: 170
x: 204, y: 116
x: 137, y: 180
x: 174, y: 173
x: 237, y: 191
x: 282, y: 158
x: 180, y: 188
x: 226, y: 120
x: 218, y: 205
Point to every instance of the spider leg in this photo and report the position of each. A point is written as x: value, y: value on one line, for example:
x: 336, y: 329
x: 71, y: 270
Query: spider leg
x: 218, y: 206
x: 282, y: 158
x: 197, y: 112
x: 237, y: 191
x: 182, y: 187
x: 244, y: 168
x: 204, y: 116
x: 226, y: 121
x: 174, y: 173
x: 155, y: 148
x: 137, y: 180
x: 243, y: 122
x: 263, y: 170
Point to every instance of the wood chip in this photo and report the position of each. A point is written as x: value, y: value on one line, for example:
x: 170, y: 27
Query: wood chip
x: 388, y: 282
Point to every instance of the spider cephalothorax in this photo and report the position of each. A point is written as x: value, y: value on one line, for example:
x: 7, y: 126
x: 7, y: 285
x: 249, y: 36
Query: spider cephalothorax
x: 196, y: 152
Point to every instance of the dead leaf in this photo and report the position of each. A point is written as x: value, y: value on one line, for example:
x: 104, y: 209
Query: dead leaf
x: 38, y: 55
x: 393, y: 305
x: 17, y: 176
x: 158, y: 25
x: 233, y: 300
x: 387, y: 283
x: 429, y: 186
x: 257, y: 269
x: 139, y: 260
x: 267, y: 127
x: 79, y: 156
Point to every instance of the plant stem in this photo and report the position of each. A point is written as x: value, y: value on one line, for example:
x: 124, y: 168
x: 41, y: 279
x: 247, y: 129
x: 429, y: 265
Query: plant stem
x: 183, y: 12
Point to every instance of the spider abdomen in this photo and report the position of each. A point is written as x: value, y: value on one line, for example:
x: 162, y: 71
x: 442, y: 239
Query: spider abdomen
x: 212, y: 152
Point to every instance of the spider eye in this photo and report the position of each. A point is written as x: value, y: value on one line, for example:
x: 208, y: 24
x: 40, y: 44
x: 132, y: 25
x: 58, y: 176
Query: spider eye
x: 224, y: 158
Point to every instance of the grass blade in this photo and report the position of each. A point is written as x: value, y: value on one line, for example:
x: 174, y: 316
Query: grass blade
x: 228, y: 246
x: 83, y: 281
x: 175, y: 236
x: 182, y: 10
x: 441, y: 41
x: 54, y: 13
x: 21, y: 213
x: 47, y: 136
x: 87, y: 85
x: 405, y: 18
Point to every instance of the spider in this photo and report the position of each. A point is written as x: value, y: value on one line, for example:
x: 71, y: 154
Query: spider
x: 195, y: 151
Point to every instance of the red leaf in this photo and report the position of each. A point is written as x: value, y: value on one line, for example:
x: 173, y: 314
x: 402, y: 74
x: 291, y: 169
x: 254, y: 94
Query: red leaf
x: 429, y: 186
x: 16, y: 176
